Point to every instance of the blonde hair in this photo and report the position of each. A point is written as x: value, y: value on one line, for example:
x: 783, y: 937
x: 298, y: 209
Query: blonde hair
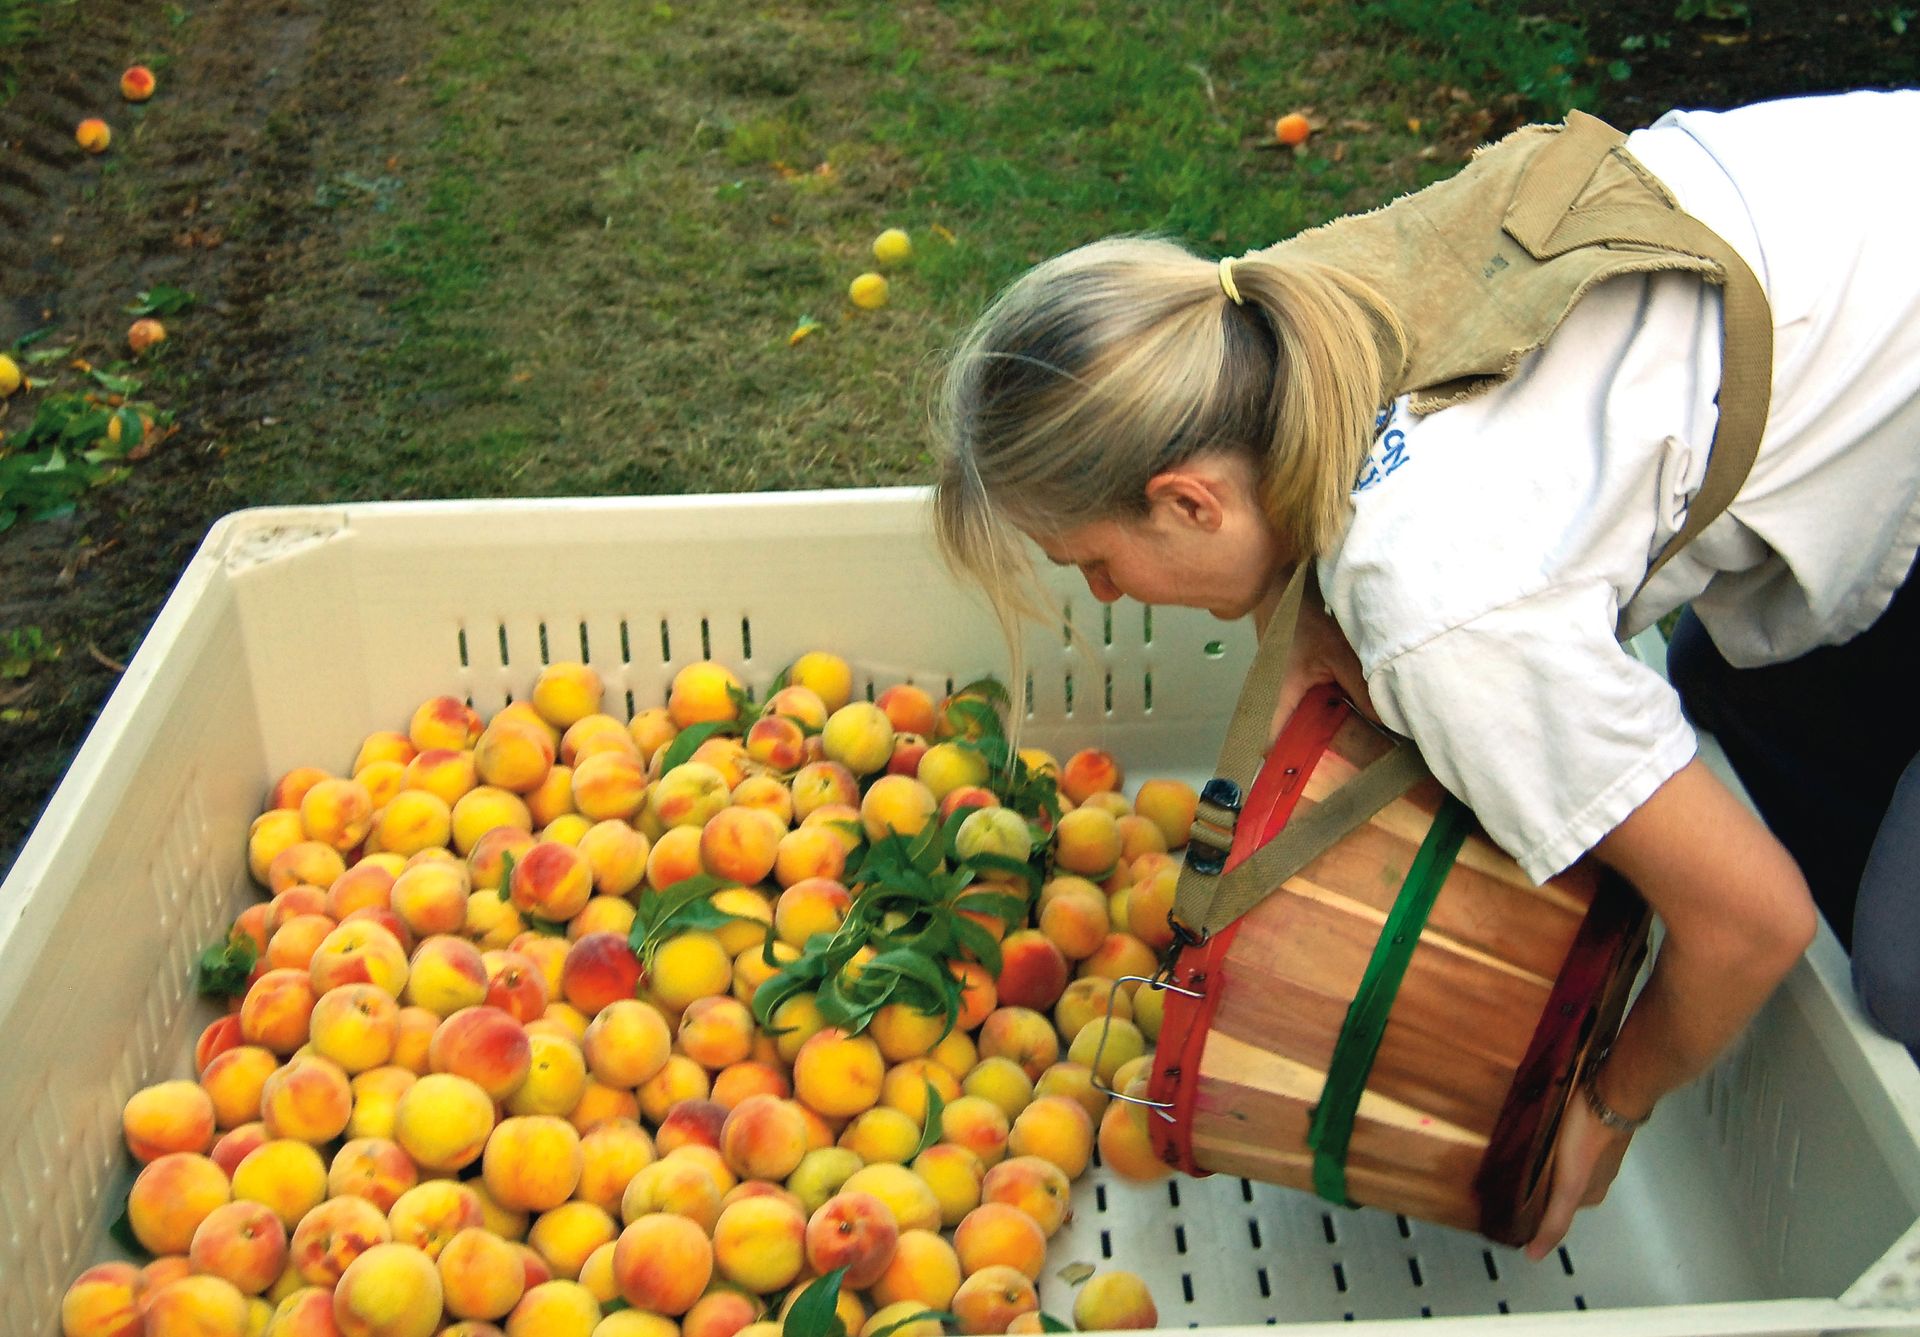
x: 1102, y: 367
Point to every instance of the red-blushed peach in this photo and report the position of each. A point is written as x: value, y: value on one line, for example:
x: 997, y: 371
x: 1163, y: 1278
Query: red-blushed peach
x: 298, y: 898
x: 908, y: 749
x: 598, y: 970
x: 765, y: 793
x: 532, y: 1162
x: 287, y: 1175
x: 728, y: 756
x: 908, y: 708
x: 811, y: 905
x: 979, y: 995
x: 383, y: 746
x: 855, y: 1231
x: 561, y: 1018
x: 713, y: 1032
x: 924, y: 1271
x: 1074, y: 918
x: 430, y: 1214
x: 1119, y: 957
x: 662, y: 1263
x: 704, y: 691
x: 858, y: 736
x: 446, y: 773
x: 556, y: 1077
x: 674, y: 857
x: 996, y: 1234
x: 1033, y: 971
x: 373, y: 1168
x: 482, y: 810
x: 905, y: 1087
x: 740, y: 844
x: 1035, y: 1186
x: 679, y: 1078
x: 1023, y: 1035
x: 1150, y: 903
x: 616, y: 855
x: 275, y: 1012
x: 485, y: 1045
x: 303, y: 1311
x: 493, y: 854
x: 820, y: 784
x: 358, y: 951
x: 168, y: 1117
x: 696, y: 1122
x: 355, y: 1026
x: 593, y: 734
x: 99, y: 1303
x: 310, y: 863
x: 721, y: 1312
x: 234, y: 1080
x: 1125, y: 1142
x: 234, y: 1144
x: 150, y: 1278
x: 307, y: 1099
x: 977, y: 1124
x: 948, y: 766
x: 1088, y: 772
x: 808, y: 852
x: 967, y: 797
x: 293, y: 943
x: 413, y: 1036
x: 679, y: 1186
x: 954, y: 1173
x: 688, y: 966
x: 688, y: 795
x: 612, y: 1152
x: 270, y: 835
x: 776, y: 742
x: 763, y: 1137
x: 332, y: 1235
x: 552, y: 881
x: 443, y: 1121
x: 197, y: 1306
x: 905, y: 1194
x: 549, y: 953
x: 627, y: 1042
x: 652, y: 729
x: 444, y: 722
x: 1056, y: 1129
x: 838, y: 1074
x: 391, y: 1290
x: 800, y: 704
x: 515, y: 984
x: 608, y: 786
x: 991, y: 1298
x: 292, y: 786
x: 240, y: 1242
x: 1113, y: 1301
x: 480, y: 1275
x: 171, y: 1196
x: 759, y: 1243
x: 1139, y: 835
x: 367, y: 883
x: 382, y: 918
x: 337, y: 813
x: 514, y: 754
x: 432, y: 897
x: 445, y: 975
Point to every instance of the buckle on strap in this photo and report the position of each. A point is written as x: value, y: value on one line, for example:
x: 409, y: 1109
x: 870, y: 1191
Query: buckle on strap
x: 1210, y: 839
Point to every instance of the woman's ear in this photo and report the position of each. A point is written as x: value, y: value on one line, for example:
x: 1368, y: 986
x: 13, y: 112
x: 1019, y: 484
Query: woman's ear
x: 1189, y: 495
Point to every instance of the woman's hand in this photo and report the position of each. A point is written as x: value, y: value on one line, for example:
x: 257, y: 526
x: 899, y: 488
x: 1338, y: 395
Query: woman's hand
x: 1321, y: 654
x: 1585, y: 1160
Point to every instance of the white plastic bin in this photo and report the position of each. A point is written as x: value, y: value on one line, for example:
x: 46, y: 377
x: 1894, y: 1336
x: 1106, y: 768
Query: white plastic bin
x: 1779, y: 1195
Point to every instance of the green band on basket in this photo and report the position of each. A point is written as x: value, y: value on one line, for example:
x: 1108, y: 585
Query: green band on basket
x: 1366, y: 1022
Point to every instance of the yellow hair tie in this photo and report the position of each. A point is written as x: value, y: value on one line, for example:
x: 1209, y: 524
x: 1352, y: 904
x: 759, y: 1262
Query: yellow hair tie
x: 1226, y: 280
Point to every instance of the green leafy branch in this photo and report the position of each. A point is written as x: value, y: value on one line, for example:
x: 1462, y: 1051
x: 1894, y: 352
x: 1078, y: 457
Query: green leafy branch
x: 225, y: 966
x: 685, y: 907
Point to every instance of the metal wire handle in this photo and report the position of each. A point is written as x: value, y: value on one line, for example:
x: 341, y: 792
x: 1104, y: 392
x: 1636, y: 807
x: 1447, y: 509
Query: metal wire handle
x: 1159, y: 1107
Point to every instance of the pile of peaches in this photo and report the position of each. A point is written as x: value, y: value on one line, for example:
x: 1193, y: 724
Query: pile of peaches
x: 460, y: 1091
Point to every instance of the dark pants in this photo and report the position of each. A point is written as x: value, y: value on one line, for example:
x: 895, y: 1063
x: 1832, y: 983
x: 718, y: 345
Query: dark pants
x: 1822, y: 744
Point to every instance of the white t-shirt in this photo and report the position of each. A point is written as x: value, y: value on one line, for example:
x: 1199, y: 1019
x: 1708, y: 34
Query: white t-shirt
x: 1493, y: 543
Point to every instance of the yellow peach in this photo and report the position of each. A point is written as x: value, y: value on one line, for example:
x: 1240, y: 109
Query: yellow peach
x: 391, y: 1290
x: 760, y: 1243
x: 168, y: 1117
x: 925, y: 1271
x: 662, y: 1263
x: 567, y: 1234
x: 480, y: 1275
x: 443, y: 1121
x: 617, y: 856
x: 485, y: 808
x: 954, y: 1174
x: 203, y: 1306
x: 337, y: 813
x: 289, y: 1177
x: 906, y: 1195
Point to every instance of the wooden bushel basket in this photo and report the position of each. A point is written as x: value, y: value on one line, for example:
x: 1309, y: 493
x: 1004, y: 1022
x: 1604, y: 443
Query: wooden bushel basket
x: 1508, y: 991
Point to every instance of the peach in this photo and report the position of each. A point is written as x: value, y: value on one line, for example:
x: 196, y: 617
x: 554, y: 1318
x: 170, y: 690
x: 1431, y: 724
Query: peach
x: 678, y: 1079
x: 997, y: 1234
x: 219, y: 1035
x: 368, y: 883
x: 995, y: 830
x: 1169, y: 805
x: 991, y: 1298
x: 714, y: 1032
x: 1109, y: 1301
x: 1023, y: 1035
x: 820, y: 1174
x: 412, y: 1038
x: 957, y: 1053
x: 752, y: 919
x: 372, y: 1168
x: 855, y: 1231
x: 807, y: 853
x: 556, y: 1077
x: 168, y: 1117
x: 306, y: 862
x: 908, y: 749
x: 838, y: 1074
x: 483, y: 809
x: 1055, y: 1129
x: 966, y: 797
x: 549, y: 954
x: 881, y: 1135
x: 776, y: 742
x: 1074, y: 1081
x: 977, y: 1124
x: 740, y: 844
x: 766, y: 793
x: 1138, y: 836
x: 949, y: 766
x: 1149, y: 1008
x: 763, y: 1137
x: 197, y: 1306
x: 567, y: 1234
x: 409, y: 820
x: 616, y: 854
x: 1088, y: 999
x: 627, y: 1043
x: 432, y: 897
x: 1088, y: 772
x: 662, y: 1263
x: 1149, y: 905
x: 1120, y: 956
x: 332, y: 1235
x: 925, y: 1271
x: 905, y: 1087
x: 302, y: 1311
x: 382, y: 918
x: 286, y: 1175
x: 430, y: 1214
x: 1034, y: 1185
x: 99, y: 1303
x: 826, y: 675
x: 906, y: 1195
x: 751, y: 969
x: 612, y: 1152
x: 297, y: 898
x: 759, y: 1243
x: 954, y: 1173
x: 689, y: 966
x: 156, y: 1274
x: 896, y: 805
x: 704, y: 691
x: 446, y: 773
x: 292, y: 786
x: 515, y: 984
x: 171, y: 1196
x: 1000, y: 1080
x: 293, y: 943
x: 750, y: 1077
x: 444, y: 722
x: 728, y: 756
x: 908, y: 709
x: 1125, y: 1142
x: 688, y: 795
x: 355, y: 1026
x: 692, y: 1122
x: 513, y: 754
x: 491, y: 856
x: 445, y: 975
x: 608, y: 786
x: 480, y: 1275
x: 275, y: 1012
x: 858, y: 736
x: 905, y: 1032
x: 234, y: 1080
x: 813, y: 905
x: 674, y: 857
x: 391, y: 1290
x: 551, y: 881
x: 383, y: 745
x: 1075, y: 920
x: 1033, y: 971
x: 532, y: 1162
x: 721, y: 1312
x: 598, y: 1102
x: 651, y: 729
x: 593, y: 734
x: 337, y: 813
x: 675, y: 1185
x: 240, y: 1242
x: 567, y: 692
x: 1104, y: 1044
x: 308, y: 1100
x: 800, y: 704
x: 903, y: 1319
x: 443, y: 1121
x: 486, y: 1046
x: 234, y: 1144
x: 1087, y: 841
x: 821, y: 784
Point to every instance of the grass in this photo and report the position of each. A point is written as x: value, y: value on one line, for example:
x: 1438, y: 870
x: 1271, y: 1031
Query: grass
x: 620, y: 212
